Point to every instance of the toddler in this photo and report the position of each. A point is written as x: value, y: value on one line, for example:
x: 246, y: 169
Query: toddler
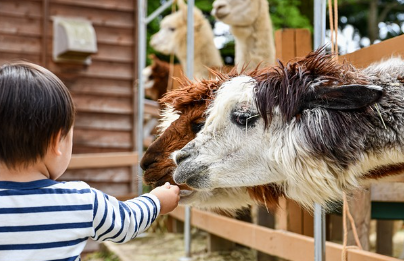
x: 40, y: 218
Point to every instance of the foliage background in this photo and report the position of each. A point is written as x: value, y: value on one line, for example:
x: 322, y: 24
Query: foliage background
x: 364, y: 21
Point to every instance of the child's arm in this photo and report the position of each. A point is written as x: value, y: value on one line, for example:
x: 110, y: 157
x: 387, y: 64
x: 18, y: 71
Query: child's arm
x: 121, y: 221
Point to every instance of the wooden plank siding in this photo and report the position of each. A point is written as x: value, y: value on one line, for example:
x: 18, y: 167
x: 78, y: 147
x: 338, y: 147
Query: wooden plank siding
x: 103, y: 91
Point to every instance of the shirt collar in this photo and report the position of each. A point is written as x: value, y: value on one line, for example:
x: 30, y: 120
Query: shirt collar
x: 27, y: 185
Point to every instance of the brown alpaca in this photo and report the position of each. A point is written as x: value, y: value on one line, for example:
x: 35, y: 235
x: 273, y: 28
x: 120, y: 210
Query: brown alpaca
x: 189, y: 103
x: 156, y: 78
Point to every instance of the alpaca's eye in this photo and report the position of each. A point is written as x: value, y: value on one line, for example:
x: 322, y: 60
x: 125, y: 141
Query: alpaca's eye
x: 197, y: 126
x: 244, y: 119
x: 172, y: 29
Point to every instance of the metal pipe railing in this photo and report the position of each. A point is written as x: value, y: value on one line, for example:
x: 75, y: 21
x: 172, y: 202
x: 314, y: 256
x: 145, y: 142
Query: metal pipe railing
x: 142, y: 24
x: 319, y: 215
x: 190, y: 75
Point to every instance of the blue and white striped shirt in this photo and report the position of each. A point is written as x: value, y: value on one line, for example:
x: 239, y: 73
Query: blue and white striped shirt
x: 50, y: 220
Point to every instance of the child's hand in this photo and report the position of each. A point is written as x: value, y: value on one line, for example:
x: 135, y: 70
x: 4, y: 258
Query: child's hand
x: 169, y: 195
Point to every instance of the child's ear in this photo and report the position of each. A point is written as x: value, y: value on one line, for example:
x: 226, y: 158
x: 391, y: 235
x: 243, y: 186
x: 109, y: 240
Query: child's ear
x: 55, y: 144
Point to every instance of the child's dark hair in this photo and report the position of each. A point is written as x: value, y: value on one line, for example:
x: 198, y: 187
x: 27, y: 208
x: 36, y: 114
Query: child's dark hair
x: 34, y: 107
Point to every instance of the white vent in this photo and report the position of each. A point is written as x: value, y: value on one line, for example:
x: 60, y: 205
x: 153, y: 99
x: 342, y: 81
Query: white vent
x: 74, y: 40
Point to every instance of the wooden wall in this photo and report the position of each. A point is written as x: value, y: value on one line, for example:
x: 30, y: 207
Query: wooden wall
x: 103, y: 91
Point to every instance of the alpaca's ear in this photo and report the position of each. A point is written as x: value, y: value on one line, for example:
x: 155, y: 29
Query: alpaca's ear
x: 198, y: 15
x: 182, y: 5
x: 344, y: 97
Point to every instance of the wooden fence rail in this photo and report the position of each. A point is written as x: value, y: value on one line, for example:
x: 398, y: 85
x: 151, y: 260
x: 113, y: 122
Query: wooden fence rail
x: 281, y: 243
x: 103, y: 160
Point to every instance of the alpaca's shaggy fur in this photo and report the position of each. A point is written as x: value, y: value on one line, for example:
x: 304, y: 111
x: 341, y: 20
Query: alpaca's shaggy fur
x: 171, y: 39
x: 182, y: 117
x: 251, y: 25
x: 313, y: 127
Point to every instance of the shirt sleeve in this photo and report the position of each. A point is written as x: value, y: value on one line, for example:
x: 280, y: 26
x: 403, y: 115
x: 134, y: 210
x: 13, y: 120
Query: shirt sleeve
x: 119, y: 221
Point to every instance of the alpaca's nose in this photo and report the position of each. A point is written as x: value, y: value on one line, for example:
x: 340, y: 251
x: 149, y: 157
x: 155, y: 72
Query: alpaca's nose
x: 146, y: 161
x: 221, y: 6
x: 180, y: 156
x: 218, y: 6
x: 216, y: 9
x: 153, y: 154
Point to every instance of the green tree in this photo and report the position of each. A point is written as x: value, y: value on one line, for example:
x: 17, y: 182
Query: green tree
x: 374, y: 19
x: 284, y: 14
x: 287, y: 14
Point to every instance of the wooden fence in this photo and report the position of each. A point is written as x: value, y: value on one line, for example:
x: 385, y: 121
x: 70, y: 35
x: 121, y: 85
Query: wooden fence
x: 280, y: 243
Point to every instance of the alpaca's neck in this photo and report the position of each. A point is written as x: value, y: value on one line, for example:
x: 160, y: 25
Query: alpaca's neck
x: 330, y: 182
x: 255, y: 42
x: 205, y: 52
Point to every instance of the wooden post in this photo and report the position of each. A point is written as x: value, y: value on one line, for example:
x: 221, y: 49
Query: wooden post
x: 359, y: 205
x: 334, y: 228
x: 216, y: 243
x: 384, y: 239
x: 174, y: 225
x: 292, y: 43
x: 265, y: 219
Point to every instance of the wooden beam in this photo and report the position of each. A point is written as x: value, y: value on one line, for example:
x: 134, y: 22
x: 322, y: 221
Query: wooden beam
x: 123, y: 5
x: 387, y: 192
x: 292, y: 43
x: 279, y: 243
x: 376, y: 52
x: 103, y: 160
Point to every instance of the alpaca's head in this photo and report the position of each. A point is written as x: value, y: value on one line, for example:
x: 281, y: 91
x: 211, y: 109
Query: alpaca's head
x: 171, y: 38
x: 307, y: 127
x: 237, y: 12
x: 182, y: 118
x: 172, y: 28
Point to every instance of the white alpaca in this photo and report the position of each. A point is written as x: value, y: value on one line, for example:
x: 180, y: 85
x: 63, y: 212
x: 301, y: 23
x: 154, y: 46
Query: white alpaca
x: 251, y: 26
x: 171, y: 39
x: 313, y: 127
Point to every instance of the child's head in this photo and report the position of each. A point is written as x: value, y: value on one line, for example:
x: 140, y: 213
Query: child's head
x: 35, y: 106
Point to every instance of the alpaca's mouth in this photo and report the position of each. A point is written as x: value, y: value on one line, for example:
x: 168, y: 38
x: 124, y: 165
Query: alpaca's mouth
x: 185, y: 193
x: 220, y: 15
x: 187, y: 197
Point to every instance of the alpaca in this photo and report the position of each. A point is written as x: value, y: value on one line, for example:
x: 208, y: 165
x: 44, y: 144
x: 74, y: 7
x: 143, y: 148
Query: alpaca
x: 182, y: 118
x: 156, y: 78
x: 314, y: 127
x: 251, y: 25
x: 171, y: 39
